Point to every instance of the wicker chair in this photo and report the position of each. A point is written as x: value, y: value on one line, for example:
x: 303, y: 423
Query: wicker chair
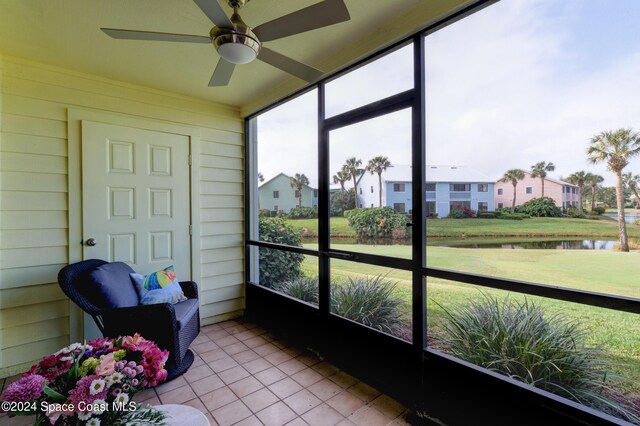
x: 171, y: 327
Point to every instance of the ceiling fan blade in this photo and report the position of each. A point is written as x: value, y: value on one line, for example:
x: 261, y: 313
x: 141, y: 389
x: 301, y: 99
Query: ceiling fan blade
x: 214, y: 12
x: 293, y: 67
x: 149, y: 35
x: 222, y: 73
x: 319, y: 15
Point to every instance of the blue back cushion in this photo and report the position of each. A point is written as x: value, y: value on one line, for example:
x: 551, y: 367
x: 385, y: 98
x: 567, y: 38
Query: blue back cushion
x: 111, y: 286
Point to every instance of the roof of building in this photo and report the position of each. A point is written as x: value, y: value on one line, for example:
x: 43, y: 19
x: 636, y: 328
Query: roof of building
x: 277, y: 176
x: 436, y: 173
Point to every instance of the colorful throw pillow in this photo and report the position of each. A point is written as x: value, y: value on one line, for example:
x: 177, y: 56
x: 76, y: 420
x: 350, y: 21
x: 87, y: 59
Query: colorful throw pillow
x: 158, y: 287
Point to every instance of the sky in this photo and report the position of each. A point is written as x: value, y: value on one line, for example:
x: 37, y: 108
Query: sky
x: 518, y: 82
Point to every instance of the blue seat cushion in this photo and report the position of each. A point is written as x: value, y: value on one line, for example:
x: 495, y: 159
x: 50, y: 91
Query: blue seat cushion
x: 185, y: 311
x: 110, y: 286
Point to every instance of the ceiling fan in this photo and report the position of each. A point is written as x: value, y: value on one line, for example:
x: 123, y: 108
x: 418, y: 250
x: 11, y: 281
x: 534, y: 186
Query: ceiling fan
x: 238, y: 43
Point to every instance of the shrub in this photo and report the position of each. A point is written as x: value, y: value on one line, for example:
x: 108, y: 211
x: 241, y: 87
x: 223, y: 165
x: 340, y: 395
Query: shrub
x: 369, y: 301
x: 456, y: 214
x: 598, y: 210
x: 378, y: 222
x: 576, y: 213
x: 340, y: 202
x: 522, y: 341
x: 304, y: 288
x: 303, y: 213
x: 469, y: 212
x: 540, y: 207
x: 486, y: 215
x: 278, y: 266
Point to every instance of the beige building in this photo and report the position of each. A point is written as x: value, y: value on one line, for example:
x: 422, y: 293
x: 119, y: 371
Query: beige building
x: 564, y: 194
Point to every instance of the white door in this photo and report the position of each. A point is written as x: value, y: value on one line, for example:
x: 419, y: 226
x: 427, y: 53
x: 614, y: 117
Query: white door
x: 135, y: 197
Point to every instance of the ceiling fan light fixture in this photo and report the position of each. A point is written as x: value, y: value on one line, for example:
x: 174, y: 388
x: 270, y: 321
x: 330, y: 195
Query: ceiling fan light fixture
x: 237, y: 48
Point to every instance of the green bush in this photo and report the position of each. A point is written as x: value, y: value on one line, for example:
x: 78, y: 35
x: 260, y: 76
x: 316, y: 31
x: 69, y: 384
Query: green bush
x: 486, y: 215
x: 278, y: 266
x: 456, y: 214
x: 304, y: 288
x: 378, y: 222
x: 303, y: 213
x: 522, y: 341
x: 598, y: 210
x: 540, y: 207
x: 341, y: 202
x: 575, y: 213
x: 509, y: 216
x: 369, y: 301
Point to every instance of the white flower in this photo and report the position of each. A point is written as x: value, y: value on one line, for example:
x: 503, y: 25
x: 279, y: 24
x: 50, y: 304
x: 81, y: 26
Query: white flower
x: 66, y: 358
x: 93, y: 422
x: 99, y: 406
x: 122, y: 399
x: 97, y: 386
x: 84, y: 415
x: 114, y: 378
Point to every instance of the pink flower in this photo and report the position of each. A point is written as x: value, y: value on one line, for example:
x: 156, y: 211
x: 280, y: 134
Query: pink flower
x: 24, y: 389
x: 106, y: 366
x: 82, y: 391
x: 55, y: 415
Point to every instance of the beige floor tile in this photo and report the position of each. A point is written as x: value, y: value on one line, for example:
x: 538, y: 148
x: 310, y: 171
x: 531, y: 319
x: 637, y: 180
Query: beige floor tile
x: 245, y: 356
x: 223, y: 364
x: 292, y: 366
x: 231, y: 413
x: 325, y: 368
x: 235, y: 348
x: 308, y: 359
x: 260, y: 400
x: 364, y: 391
x: 226, y: 341
x: 178, y: 395
x: 388, y: 406
x: 270, y: 376
x: 307, y: 377
x: 322, y: 415
x: 278, y: 357
x: 297, y: 422
x: 197, y: 373
x: 173, y: 384
x: 346, y: 403
x: 245, y: 386
x: 276, y: 415
x: 198, y: 405
x: 257, y: 365
x: 204, y: 347
x: 343, y: 379
x: 206, y: 385
x: 250, y: 421
x: 285, y: 387
x: 302, y: 401
x: 233, y: 374
x: 213, y: 355
x: 325, y: 389
x: 368, y: 416
x: 264, y: 350
x: 218, y: 398
x: 254, y: 342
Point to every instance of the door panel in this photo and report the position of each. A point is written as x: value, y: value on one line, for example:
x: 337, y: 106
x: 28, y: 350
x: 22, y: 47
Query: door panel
x: 135, y: 197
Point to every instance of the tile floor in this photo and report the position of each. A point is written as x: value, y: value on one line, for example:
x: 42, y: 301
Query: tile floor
x: 242, y: 375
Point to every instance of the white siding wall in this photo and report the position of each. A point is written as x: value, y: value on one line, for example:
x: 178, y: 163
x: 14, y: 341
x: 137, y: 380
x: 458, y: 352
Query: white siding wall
x: 35, y: 204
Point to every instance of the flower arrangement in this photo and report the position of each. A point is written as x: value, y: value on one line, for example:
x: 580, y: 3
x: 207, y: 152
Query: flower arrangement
x: 90, y: 384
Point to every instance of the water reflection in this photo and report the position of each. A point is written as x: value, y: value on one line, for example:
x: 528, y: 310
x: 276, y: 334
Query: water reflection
x: 540, y: 245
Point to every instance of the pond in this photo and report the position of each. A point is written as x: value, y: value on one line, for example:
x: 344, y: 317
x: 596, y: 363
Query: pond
x: 501, y: 243
x: 628, y: 217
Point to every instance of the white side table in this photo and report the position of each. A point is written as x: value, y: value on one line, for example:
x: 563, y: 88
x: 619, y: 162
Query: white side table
x: 182, y: 415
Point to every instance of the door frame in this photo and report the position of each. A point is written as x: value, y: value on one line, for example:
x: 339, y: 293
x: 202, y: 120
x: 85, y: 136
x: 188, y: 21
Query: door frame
x: 75, y: 116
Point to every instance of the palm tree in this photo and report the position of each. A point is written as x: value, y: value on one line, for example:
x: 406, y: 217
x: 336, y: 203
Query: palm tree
x: 341, y: 177
x: 616, y: 147
x: 579, y: 179
x: 540, y: 170
x: 378, y: 165
x: 593, y: 181
x: 513, y: 176
x: 632, y: 181
x: 352, y: 167
x: 297, y: 182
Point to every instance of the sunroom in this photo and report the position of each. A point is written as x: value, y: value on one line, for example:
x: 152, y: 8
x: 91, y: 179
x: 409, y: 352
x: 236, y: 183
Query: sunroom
x: 486, y: 316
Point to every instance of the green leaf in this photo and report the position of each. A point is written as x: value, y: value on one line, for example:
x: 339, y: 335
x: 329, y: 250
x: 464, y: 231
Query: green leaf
x: 56, y: 396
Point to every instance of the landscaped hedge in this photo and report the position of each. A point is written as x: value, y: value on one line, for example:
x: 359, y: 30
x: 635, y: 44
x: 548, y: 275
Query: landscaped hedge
x: 303, y: 213
x: 278, y: 266
x: 540, y: 207
x: 379, y: 222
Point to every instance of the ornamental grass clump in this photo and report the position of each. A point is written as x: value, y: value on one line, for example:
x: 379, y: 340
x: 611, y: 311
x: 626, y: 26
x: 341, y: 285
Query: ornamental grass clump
x: 521, y: 340
x: 368, y: 300
x: 305, y: 289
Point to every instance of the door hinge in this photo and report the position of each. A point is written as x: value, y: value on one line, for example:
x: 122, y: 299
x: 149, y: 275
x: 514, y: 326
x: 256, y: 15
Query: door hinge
x: 190, y: 229
x: 190, y: 159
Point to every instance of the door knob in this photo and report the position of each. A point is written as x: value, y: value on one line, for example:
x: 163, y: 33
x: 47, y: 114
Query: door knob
x: 91, y: 242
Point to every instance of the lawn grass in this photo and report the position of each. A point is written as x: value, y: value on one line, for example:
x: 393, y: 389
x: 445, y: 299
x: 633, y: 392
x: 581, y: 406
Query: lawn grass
x: 466, y: 228
x: 599, y: 271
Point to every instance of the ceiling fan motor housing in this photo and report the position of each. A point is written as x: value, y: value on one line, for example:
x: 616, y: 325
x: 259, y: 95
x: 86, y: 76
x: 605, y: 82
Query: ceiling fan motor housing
x: 238, y: 45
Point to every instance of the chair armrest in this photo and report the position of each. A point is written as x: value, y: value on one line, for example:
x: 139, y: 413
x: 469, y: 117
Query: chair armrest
x: 190, y: 289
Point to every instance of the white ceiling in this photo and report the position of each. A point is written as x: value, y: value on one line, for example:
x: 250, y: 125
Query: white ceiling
x: 66, y: 33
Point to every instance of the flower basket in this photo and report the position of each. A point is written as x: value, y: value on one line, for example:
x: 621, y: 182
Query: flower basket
x: 90, y: 384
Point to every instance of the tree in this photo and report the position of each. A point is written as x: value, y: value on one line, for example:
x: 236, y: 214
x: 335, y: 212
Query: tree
x: 540, y: 170
x: 631, y: 181
x: 594, y: 180
x: 352, y: 167
x: 341, y: 177
x: 341, y: 201
x: 297, y: 182
x: 513, y: 176
x: 579, y: 179
x: 378, y: 165
x: 616, y: 147
x: 260, y: 177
